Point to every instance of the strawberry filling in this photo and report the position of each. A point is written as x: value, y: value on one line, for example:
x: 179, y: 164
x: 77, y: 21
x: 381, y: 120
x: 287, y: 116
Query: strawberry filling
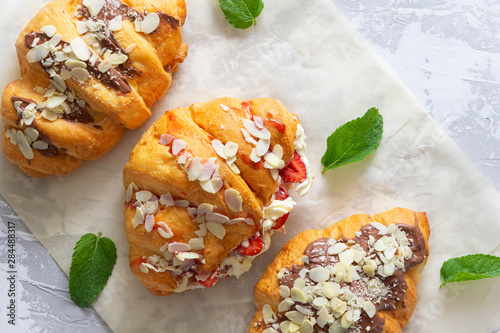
x: 295, y: 171
x: 281, y: 194
x: 211, y: 280
x: 255, y: 244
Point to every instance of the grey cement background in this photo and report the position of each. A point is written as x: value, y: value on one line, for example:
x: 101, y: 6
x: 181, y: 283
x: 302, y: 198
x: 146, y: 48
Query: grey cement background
x: 446, y: 52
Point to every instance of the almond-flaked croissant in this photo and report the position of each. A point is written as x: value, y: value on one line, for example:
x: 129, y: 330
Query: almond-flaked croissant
x: 364, y: 285
x: 89, y: 70
x: 205, y: 188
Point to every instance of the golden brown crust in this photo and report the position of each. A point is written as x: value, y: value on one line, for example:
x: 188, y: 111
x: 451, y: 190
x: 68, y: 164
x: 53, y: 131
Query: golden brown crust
x: 155, y: 57
x: 153, y: 167
x: 266, y: 290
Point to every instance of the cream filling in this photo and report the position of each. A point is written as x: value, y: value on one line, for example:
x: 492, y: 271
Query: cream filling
x: 300, y: 147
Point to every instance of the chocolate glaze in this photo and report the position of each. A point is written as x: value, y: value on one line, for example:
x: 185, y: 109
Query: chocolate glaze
x: 51, y: 151
x: 316, y: 252
x: 111, y: 78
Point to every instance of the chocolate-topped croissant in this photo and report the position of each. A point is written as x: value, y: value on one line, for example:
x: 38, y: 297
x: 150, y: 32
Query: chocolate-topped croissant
x: 205, y: 188
x: 89, y: 70
x: 357, y: 275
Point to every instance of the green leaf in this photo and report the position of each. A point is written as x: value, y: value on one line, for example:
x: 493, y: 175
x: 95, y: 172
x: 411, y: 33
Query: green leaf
x: 353, y: 141
x: 91, y: 265
x: 470, y: 267
x: 241, y: 14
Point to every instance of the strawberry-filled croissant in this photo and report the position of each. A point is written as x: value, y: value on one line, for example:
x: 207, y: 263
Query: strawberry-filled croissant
x: 206, y: 186
x: 90, y: 69
x: 357, y: 275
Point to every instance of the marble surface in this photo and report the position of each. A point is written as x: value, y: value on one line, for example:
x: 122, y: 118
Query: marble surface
x: 446, y: 53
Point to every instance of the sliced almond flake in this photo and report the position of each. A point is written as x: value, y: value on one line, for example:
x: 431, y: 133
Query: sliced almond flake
x: 249, y: 221
x: 278, y: 151
x: 137, y: 25
x: 248, y: 137
x: 130, y: 48
x: 60, y: 85
x: 192, y: 211
x: 138, y: 218
x: 233, y: 200
x: 181, y: 203
x: 347, y: 256
x: 35, y: 42
x: 24, y: 146
x: 72, y: 63
x: 166, y: 139
x: 118, y: 59
x: 225, y: 107
x: 81, y: 27
x: 105, y: 65
x: 208, y: 186
x: 40, y: 145
x: 254, y: 157
x: 219, y: 148
x: 149, y: 222
x: 273, y: 160
x: 164, y: 230
x: 274, y: 173
x: 217, y: 184
x: 196, y: 243
x: 49, y: 30
x: 115, y: 24
x: 319, y: 274
x: 166, y: 200
x: 144, y: 269
x: 188, y: 255
x: 178, y: 145
x: 13, y: 137
x: 49, y: 115
x: 261, y: 133
x: 205, y: 208
x: 209, y: 168
x: 55, y: 40
x: 164, y: 248
x: 295, y: 316
x: 216, y: 217
x: 230, y: 149
x: 94, y: 6
x: 150, y: 23
x: 262, y: 147
x: 216, y: 229
x: 194, y: 169
x: 38, y: 53
x: 381, y: 228
x: 178, y: 247
x: 259, y: 122
x: 182, y: 286
x: 236, y: 220
x: 80, y: 74
x: 55, y: 101
x: 65, y: 74
x: 31, y: 133
x: 80, y: 49
x: 143, y: 195
x: 234, y: 168
x: 129, y: 192
x: 202, y: 232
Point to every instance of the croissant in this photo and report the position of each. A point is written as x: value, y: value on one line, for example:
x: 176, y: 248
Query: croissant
x: 358, y: 275
x: 206, y: 186
x: 89, y: 70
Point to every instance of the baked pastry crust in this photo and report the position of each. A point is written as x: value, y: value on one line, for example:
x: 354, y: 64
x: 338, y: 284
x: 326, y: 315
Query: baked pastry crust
x: 107, y: 99
x: 267, y: 289
x: 158, y: 169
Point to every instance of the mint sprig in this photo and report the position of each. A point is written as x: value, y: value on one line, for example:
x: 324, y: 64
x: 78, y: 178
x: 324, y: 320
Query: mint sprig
x: 91, y: 266
x: 241, y: 14
x: 470, y: 267
x: 354, y: 140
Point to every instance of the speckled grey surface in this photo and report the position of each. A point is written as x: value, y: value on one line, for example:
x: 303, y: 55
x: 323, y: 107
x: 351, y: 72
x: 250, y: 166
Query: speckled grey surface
x: 446, y: 53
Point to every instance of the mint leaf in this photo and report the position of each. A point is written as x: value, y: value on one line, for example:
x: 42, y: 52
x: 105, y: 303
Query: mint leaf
x: 470, y: 267
x: 353, y: 141
x: 91, y: 265
x: 241, y: 14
